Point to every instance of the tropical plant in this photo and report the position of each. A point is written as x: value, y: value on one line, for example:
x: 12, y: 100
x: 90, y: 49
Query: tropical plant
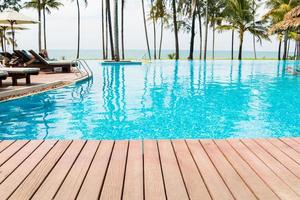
x: 46, y: 6
x: 159, y: 13
x: 36, y: 4
x: 146, y: 31
x: 241, y: 20
x: 122, y: 28
x: 10, y: 4
x: 174, y: 13
x: 275, y: 14
x: 78, y: 25
x: 116, y: 31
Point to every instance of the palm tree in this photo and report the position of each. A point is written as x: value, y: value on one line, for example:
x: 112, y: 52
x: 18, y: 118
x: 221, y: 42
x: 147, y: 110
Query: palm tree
x: 277, y: 10
x: 108, y: 13
x: 36, y: 4
x: 175, y: 29
x: 103, y: 30
x: 122, y: 28
x: 47, y: 5
x: 154, y: 31
x: 146, y: 31
x: 242, y: 20
x: 78, y: 25
x: 159, y: 12
x: 206, y: 30
x: 116, y: 31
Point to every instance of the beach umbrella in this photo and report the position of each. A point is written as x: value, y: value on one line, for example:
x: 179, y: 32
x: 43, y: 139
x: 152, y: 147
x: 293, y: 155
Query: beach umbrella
x: 291, y: 22
x: 5, y: 27
x: 12, y: 18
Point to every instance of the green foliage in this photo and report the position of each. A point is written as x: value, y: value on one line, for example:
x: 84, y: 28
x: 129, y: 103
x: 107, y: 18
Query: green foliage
x: 45, y: 4
x: 171, y: 56
x: 10, y: 4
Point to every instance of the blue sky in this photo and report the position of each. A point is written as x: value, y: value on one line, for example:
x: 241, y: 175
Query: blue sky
x: 61, y: 30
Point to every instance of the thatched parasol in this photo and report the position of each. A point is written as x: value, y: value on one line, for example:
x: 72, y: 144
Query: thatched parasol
x: 291, y: 22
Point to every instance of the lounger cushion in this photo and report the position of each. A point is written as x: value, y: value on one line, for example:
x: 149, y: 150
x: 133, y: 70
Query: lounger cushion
x: 3, y: 74
x: 21, y: 70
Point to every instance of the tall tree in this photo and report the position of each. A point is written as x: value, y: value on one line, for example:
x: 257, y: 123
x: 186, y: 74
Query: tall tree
x: 10, y: 5
x: 78, y: 25
x: 110, y: 29
x: 154, y: 30
x: 122, y: 28
x: 159, y: 13
x: 275, y: 14
x: 174, y: 11
x: 103, y: 30
x: 206, y: 30
x: 116, y: 31
x: 241, y: 19
x: 146, y: 31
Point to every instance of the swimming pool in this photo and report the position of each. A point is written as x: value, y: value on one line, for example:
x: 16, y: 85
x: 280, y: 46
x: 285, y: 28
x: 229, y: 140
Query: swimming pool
x: 163, y: 100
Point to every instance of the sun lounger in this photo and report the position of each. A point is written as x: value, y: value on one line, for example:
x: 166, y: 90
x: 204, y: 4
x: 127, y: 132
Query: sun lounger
x: 3, y: 76
x: 64, y: 64
x: 20, y: 73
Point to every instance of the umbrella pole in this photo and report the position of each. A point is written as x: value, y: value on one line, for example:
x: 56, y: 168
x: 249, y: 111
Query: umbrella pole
x: 13, y: 34
x: 4, y: 38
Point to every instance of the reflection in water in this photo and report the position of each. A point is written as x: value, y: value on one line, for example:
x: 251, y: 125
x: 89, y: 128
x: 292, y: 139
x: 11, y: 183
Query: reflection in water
x: 167, y: 99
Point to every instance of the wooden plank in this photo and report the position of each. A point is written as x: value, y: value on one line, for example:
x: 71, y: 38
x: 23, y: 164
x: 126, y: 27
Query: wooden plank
x: 280, y: 156
x: 73, y: 181
x: 13, y: 181
x: 192, y: 178
x: 175, y: 188
x: 17, y: 159
x: 213, y: 181
x: 297, y: 140
x: 11, y: 150
x: 154, y: 184
x: 282, y: 172
x: 232, y: 179
x: 133, y: 185
x: 257, y: 185
x: 291, y: 143
x: 292, y: 153
x: 91, y: 186
x: 113, y: 184
x: 4, y: 144
x: 40, y: 172
x: 275, y: 183
x: 53, y: 181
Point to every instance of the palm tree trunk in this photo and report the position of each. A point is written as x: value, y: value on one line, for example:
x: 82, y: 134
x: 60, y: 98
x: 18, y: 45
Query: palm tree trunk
x: 206, y: 30
x: 154, y: 34
x: 279, y: 49
x: 122, y: 29
x: 110, y: 29
x: 288, y: 48
x: 241, y: 45
x: 116, y: 31
x: 175, y: 29
x: 298, y: 48
x: 191, y: 55
x: 40, y: 25
x: 213, y: 43
x: 2, y: 40
x: 232, y: 43
x: 200, y: 33
x: 146, y: 32
x: 45, y: 32
x: 106, y: 33
x: 78, y: 29
x: 284, y: 56
x: 161, y: 37
x: 253, y: 39
x: 102, y: 29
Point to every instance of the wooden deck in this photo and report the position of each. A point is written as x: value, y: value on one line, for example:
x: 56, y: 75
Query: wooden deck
x: 178, y: 169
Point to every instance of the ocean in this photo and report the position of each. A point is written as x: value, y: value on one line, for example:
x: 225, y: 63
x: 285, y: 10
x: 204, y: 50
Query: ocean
x: 142, y: 54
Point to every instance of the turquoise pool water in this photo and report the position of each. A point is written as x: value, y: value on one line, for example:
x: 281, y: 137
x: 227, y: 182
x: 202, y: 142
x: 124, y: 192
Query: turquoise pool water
x: 163, y: 100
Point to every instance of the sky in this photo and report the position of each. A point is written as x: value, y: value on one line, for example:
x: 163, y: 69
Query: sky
x: 62, y: 30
